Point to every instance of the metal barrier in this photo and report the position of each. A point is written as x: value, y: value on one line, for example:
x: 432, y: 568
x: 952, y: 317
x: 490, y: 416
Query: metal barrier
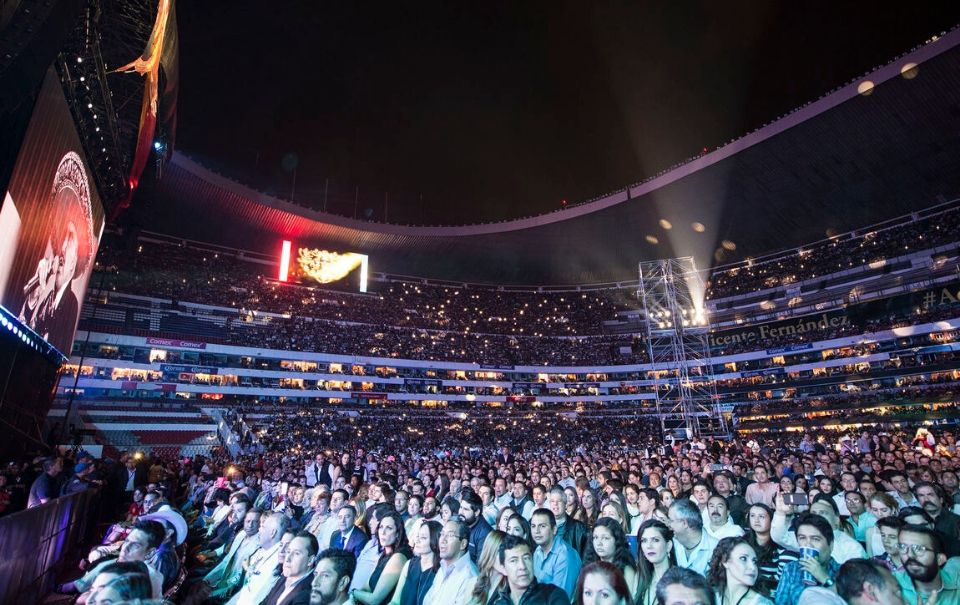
x: 37, y: 542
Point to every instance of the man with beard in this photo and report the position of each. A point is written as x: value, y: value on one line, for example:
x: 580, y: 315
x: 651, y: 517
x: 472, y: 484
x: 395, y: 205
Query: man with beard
x: 923, y: 556
x: 931, y: 498
x: 471, y: 511
x: 331, y: 578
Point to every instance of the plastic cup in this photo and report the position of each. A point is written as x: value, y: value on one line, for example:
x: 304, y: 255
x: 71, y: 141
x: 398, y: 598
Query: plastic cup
x: 809, y: 553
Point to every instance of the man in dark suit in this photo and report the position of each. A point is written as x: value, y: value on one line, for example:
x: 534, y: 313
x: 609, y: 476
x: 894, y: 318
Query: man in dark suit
x: 505, y: 457
x: 349, y: 537
x: 130, y: 475
x: 293, y: 587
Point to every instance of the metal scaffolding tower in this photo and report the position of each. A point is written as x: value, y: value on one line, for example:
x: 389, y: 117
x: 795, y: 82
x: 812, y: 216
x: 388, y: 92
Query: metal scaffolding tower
x: 677, y: 331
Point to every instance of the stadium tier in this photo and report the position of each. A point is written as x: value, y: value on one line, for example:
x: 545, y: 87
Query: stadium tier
x: 179, y: 322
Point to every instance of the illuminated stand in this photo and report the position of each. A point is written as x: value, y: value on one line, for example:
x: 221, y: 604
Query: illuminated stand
x: 677, y: 331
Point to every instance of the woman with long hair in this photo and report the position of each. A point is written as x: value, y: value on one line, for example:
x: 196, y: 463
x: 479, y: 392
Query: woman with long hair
x: 394, y: 553
x: 631, y: 492
x: 574, y: 510
x: 520, y: 527
x: 733, y: 573
x: 609, y: 544
x: 882, y: 505
x: 771, y: 557
x: 489, y: 577
x: 601, y: 583
x: 588, y: 502
x: 673, y: 485
x: 612, y: 509
x: 655, y: 542
x: 504, y: 516
x: 449, y: 508
x: 418, y: 573
x: 667, y: 498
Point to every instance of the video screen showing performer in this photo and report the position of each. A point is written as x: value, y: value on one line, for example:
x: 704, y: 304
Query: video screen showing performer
x: 50, y: 223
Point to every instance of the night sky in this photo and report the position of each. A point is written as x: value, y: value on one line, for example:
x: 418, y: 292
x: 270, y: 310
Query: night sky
x: 463, y: 112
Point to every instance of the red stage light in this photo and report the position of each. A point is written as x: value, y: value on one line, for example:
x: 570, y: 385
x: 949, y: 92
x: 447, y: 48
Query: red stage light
x: 285, y: 260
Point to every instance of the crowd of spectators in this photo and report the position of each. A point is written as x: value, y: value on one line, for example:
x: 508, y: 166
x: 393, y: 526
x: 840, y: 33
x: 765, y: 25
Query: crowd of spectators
x: 305, y: 334
x: 862, y: 249
x: 183, y: 273
x: 521, y: 507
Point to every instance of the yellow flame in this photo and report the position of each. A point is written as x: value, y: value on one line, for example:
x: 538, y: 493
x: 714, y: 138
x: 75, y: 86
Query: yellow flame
x: 325, y: 266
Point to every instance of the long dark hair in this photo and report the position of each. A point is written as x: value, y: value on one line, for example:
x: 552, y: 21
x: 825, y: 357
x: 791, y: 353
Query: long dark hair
x: 717, y: 574
x: 622, y: 557
x: 401, y: 543
x: 767, y: 551
x: 434, y: 527
x: 645, y: 567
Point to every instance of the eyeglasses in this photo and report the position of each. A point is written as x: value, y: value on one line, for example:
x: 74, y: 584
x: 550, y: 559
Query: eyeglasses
x: 914, y: 549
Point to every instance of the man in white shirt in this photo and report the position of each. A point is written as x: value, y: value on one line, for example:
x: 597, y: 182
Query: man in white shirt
x: 848, y: 483
x: 521, y: 501
x: 490, y: 510
x: 717, y: 521
x: 297, y: 578
x: 501, y: 497
x: 901, y: 490
x: 337, y: 499
x: 692, y: 545
x: 457, y: 575
x: 260, y: 566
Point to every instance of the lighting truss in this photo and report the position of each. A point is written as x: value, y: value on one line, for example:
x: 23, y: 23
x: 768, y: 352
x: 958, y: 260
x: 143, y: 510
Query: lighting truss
x: 677, y: 335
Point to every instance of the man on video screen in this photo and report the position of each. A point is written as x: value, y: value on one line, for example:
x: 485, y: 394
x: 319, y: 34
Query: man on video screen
x: 50, y: 302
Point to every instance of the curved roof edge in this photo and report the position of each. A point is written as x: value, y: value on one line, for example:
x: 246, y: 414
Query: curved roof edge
x: 933, y: 47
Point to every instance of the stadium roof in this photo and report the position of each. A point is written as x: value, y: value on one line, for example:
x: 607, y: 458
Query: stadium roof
x: 881, y: 146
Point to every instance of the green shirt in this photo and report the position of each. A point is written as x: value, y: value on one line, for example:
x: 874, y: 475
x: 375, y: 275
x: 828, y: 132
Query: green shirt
x: 949, y: 595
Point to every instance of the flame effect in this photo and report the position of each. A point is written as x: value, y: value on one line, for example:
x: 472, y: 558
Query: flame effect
x: 325, y: 266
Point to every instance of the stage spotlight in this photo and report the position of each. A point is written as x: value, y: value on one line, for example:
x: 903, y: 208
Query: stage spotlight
x: 666, y: 224
x: 865, y: 88
x: 698, y: 227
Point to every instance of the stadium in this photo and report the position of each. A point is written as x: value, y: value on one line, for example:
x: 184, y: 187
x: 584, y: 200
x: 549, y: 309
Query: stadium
x: 753, y: 344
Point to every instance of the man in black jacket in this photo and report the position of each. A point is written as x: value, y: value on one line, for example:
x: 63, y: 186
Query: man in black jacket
x: 932, y: 498
x: 570, y: 530
x: 471, y: 507
x: 521, y: 587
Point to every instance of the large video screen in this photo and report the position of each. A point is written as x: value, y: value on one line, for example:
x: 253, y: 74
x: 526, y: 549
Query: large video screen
x: 50, y: 223
x: 312, y: 266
